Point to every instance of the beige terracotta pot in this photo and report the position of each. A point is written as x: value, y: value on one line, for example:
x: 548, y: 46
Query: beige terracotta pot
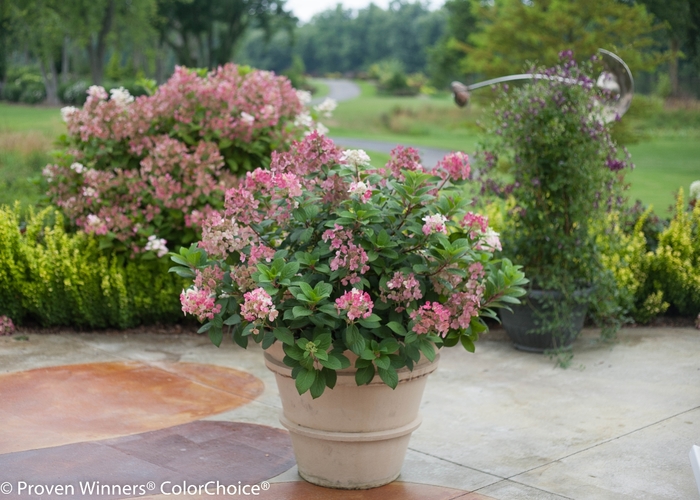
x: 351, y: 437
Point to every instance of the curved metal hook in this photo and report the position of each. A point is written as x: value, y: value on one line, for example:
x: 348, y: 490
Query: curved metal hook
x: 616, y: 78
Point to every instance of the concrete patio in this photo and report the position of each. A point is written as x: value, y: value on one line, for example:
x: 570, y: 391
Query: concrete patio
x: 144, y: 409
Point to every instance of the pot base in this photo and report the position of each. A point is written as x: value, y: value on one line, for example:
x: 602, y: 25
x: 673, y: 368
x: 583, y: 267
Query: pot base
x: 349, y: 460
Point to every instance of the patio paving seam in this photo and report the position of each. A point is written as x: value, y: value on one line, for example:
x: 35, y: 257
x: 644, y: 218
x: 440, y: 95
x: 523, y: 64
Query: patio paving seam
x: 610, y: 440
x: 529, y: 486
x: 498, y: 478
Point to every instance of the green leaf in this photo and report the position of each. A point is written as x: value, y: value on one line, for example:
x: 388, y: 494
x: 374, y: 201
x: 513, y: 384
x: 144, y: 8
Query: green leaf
x: 389, y: 376
x: 332, y: 363
x: 284, y: 335
x: 216, y: 335
x: 364, y: 375
x: 300, y: 311
x: 233, y: 320
x: 305, y: 379
x: 426, y: 347
x: 319, y: 384
x: 289, y: 270
x: 205, y: 327
x: 354, y: 340
x: 383, y: 362
x: 397, y: 328
x: 331, y: 377
x: 467, y: 343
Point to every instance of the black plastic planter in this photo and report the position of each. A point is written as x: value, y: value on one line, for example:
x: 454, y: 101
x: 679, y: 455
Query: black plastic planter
x: 527, y: 324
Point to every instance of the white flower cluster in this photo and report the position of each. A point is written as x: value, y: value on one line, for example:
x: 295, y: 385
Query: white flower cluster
x: 121, y: 96
x: 355, y: 158
x: 326, y: 107
x: 67, y: 112
x: 246, y: 118
x: 97, y: 92
x: 304, y: 119
x: 695, y: 190
x: 78, y: 168
x: 304, y: 97
x: 156, y: 245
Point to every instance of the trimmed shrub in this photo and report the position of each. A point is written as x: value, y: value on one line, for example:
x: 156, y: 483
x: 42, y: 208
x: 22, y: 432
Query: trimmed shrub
x: 59, y: 279
x: 144, y: 173
x: 674, y: 267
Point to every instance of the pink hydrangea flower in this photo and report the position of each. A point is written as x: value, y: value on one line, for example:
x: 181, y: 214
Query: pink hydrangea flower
x: 356, y: 303
x: 258, y: 306
x: 200, y: 303
x: 7, y: 327
x: 95, y: 225
x: 455, y: 166
x: 431, y: 317
x: 403, y: 289
x: 362, y: 190
x: 434, y: 224
x: 475, y: 221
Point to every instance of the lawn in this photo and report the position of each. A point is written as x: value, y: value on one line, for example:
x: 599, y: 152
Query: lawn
x: 662, y: 166
x: 424, y: 121
x: 27, y: 135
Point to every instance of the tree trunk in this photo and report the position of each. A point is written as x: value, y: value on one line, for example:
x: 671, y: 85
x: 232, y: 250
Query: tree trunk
x: 65, y: 61
x: 50, y: 81
x: 673, y: 68
x: 98, y: 47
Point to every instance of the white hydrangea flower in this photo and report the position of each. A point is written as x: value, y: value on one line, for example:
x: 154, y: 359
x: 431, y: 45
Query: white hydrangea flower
x: 304, y: 97
x: 355, y: 158
x: 121, y: 96
x: 434, y: 224
x: 303, y: 119
x: 246, y: 118
x: 326, y: 107
x: 695, y: 190
x: 492, y: 240
x: 321, y: 129
x: 67, y: 112
x: 78, y: 168
x: 157, y: 245
x: 358, y: 188
x: 97, y: 92
x: 48, y: 172
x: 89, y: 192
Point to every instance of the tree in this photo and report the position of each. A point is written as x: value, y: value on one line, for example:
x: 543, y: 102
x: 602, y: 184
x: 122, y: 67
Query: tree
x: 676, y: 18
x: 445, y: 56
x: 37, y: 24
x: 205, y: 33
x: 512, y: 33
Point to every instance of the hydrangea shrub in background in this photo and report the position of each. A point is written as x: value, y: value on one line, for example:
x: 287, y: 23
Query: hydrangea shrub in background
x: 143, y: 173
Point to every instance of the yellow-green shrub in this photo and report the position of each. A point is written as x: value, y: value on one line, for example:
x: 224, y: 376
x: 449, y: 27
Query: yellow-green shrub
x: 625, y: 256
x: 56, y: 278
x: 674, y: 267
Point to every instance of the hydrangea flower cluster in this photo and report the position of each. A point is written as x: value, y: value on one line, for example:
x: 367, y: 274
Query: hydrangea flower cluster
x: 325, y: 254
x: 7, y: 327
x: 160, y: 164
x: 355, y: 303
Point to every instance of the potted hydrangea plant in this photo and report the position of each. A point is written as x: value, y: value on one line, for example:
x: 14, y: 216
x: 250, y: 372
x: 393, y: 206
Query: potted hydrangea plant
x: 551, y: 157
x: 352, y: 278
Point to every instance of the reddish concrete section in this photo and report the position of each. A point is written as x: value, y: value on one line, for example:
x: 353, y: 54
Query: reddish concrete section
x: 189, y: 454
x: 75, y: 403
x: 305, y: 491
